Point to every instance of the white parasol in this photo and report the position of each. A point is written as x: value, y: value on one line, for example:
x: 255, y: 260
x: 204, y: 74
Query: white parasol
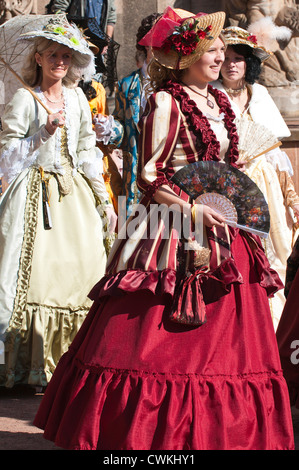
x: 13, y: 54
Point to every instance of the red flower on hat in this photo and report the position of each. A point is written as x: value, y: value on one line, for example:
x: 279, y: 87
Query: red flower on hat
x: 185, y: 38
x: 252, y: 38
x: 202, y: 34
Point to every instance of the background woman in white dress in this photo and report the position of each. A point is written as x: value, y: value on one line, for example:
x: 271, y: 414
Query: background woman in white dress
x: 272, y: 172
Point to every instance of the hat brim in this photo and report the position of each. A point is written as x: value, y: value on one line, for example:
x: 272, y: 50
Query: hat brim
x: 60, y: 39
x: 258, y: 51
x: 234, y: 36
x: 172, y: 60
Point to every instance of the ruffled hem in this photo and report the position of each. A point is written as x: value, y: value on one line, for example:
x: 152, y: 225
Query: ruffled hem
x: 191, y: 293
x: 140, y: 410
x: 33, y: 350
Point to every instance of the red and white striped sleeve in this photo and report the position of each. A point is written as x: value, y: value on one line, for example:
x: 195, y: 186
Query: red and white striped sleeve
x: 159, y: 129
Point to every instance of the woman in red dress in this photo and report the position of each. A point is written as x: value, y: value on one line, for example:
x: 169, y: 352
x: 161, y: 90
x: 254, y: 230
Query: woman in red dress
x: 178, y: 351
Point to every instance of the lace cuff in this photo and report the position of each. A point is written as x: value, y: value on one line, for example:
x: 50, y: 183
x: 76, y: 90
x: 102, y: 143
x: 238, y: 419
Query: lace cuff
x: 21, y: 154
x: 98, y: 185
x: 104, y: 129
x: 280, y: 161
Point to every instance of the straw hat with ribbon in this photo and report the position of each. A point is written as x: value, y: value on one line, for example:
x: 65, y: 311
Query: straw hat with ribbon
x: 234, y: 36
x: 179, y: 38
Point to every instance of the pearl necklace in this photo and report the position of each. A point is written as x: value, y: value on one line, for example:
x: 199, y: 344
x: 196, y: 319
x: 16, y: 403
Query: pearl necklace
x: 53, y: 101
x: 235, y: 92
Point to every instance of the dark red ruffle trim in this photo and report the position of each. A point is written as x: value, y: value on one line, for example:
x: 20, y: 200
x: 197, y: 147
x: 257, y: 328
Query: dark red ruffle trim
x: 200, y: 124
x: 162, y: 282
x: 269, y: 279
x: 201, y: 128
x: 158, y: 282
x: 213, y: 284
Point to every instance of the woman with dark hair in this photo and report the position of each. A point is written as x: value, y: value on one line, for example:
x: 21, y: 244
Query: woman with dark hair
x: 253, y: 63
x: 177, y: 353
x: 272, y: 172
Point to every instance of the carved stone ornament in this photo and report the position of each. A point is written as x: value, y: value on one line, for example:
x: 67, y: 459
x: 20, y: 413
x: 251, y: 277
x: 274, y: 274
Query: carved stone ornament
x: 10, y: 8
x: 281, y: 72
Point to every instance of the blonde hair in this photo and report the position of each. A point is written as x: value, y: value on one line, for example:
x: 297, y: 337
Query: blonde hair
x: 32, y: 73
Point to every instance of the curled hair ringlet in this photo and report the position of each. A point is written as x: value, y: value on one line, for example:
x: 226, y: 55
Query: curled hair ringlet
x: 159, y: 74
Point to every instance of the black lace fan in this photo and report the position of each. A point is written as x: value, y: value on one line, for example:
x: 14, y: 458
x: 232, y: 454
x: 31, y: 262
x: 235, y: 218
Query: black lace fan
x: 229, y: 192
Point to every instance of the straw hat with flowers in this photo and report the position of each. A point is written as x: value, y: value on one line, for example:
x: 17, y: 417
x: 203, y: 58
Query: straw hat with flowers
x: 234, y: 36
x: 179, y: 38
x: 59, y: 30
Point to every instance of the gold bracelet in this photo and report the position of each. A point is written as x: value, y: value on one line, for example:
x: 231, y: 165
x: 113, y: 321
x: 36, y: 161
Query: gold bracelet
x: 193, y: 213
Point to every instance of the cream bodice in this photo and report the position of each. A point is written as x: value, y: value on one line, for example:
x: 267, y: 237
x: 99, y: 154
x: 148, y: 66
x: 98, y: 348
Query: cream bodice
x: 219, y: 129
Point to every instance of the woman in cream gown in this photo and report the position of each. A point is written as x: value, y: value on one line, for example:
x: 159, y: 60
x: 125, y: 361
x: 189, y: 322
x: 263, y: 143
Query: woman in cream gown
x: 271, y: 172
x: 48, y: 266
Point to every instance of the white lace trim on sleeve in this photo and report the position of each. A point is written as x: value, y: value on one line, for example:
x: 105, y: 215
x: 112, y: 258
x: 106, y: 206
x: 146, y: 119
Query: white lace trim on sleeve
x: 21, y: 154
x: 280, y: 160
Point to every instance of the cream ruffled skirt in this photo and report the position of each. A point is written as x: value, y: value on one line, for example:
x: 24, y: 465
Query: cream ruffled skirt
x: 45, y: 275
x: 278, y: 245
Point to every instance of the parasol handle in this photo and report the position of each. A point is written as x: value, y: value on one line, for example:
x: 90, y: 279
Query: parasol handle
x: 278, y: 144
x: 25, y: 85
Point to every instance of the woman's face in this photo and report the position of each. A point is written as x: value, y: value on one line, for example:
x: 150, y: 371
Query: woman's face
x: 234, y: 67
x: 55, y: 62
x: 207, y: 68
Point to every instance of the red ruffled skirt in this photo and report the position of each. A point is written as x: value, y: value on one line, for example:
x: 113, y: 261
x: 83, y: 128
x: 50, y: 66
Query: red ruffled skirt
x: 135, y: 380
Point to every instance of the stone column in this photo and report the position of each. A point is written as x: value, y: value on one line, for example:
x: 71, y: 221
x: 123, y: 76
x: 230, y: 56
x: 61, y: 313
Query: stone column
x: 129, y: 16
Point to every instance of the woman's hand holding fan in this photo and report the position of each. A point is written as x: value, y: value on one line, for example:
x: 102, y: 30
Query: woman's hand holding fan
x: 226, y: 191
